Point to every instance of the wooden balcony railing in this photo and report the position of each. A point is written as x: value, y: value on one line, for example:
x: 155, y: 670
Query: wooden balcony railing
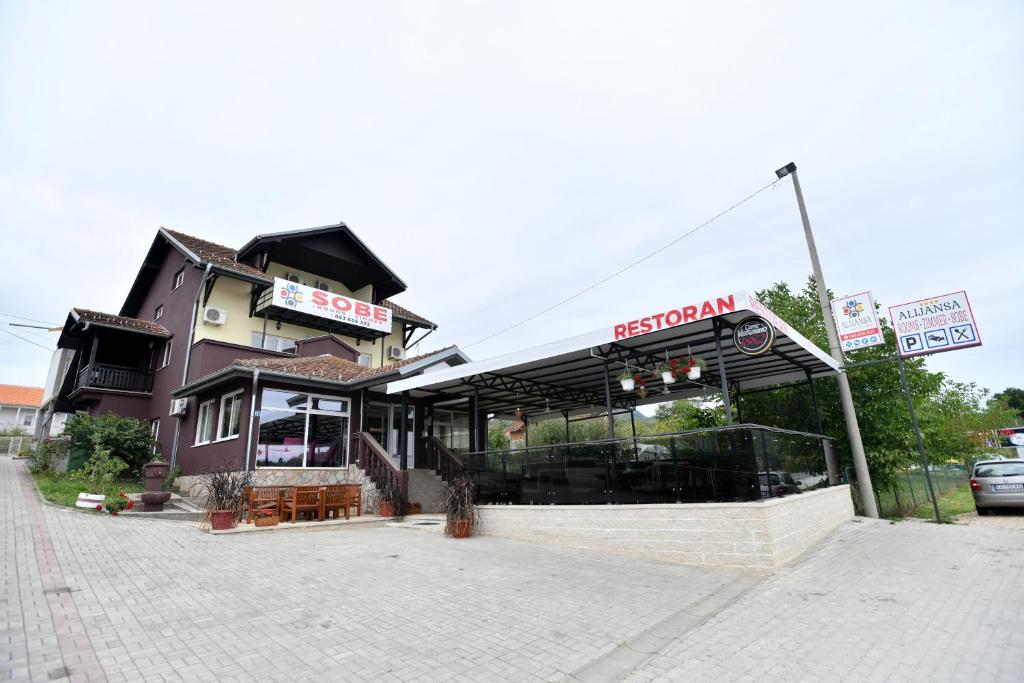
x: 392, y: 483
x: 98, y: 376
x: 439, y: 458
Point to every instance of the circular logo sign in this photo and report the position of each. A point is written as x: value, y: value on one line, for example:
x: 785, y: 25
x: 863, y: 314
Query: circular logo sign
x: 753, y: 336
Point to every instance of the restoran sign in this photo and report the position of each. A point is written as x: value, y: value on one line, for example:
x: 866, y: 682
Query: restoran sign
x: 306, y: 299
x: 676, y: 316
x: 939, y: 323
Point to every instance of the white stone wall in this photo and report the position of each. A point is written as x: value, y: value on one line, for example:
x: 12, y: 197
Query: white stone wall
x: 758, y: 536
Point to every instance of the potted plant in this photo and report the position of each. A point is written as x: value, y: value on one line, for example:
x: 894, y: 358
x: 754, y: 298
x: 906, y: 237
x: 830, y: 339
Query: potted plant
x: 390, y: 499
x: 641, y: 385
x: 459, y: 507
x: 626, y: 378
x: 667, y: 371
x: 222, y: 493
x: 267, y: 518
x: 415, y: 508
x: 696, y: 366
x: 119, y: 503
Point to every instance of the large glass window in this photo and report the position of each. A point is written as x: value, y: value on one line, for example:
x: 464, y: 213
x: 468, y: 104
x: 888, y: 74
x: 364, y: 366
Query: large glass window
x: 302, y: 430
x: 272, y: 342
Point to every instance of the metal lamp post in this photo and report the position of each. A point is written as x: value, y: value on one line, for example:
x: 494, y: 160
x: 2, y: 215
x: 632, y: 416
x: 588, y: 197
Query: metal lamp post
x: 860, y: 462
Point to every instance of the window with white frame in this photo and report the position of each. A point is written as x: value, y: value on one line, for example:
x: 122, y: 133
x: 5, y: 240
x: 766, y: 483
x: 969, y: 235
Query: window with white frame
x: 154, y: 429
x: 272, y: 342
x: 179, y: 279
x: 204, y: 423
x: 167, y: 354
x: 159, y: 312
x: 302, y: 430
x: 27, y: 418
x: 230, y: 415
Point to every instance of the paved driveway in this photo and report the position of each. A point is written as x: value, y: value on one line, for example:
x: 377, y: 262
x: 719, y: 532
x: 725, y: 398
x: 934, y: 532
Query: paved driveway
x: 91, y: 597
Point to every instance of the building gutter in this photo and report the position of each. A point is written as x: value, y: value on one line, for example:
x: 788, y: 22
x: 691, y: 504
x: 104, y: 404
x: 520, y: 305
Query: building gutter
x: 252, y: 418
x: 188, y: 357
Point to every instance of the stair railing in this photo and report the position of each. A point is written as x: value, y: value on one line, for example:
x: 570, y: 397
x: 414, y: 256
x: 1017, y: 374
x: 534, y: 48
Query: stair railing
x: 391, y: 482
x: 444, y: 463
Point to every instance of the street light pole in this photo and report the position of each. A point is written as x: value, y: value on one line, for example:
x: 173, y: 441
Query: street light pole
x: 860, y: 463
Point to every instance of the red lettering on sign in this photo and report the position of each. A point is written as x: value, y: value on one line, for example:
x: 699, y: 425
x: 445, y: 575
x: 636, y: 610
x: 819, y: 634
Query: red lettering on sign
x: 707, y: 310
x: 362, y: 309
x: 689, y: 314
x: 319, y: 298
x: 380, y: 314
x: 341, y: 303
x: 620, y: 332
x: 726, y: 305
x: 645, y: 325
x: 633, y: 327
x: 657, y: 319
x: 673, y: 318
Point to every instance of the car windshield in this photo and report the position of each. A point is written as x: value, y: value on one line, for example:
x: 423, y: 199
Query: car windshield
x: 999, y: 469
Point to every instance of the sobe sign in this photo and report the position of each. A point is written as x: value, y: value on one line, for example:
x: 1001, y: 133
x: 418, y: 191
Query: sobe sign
x: 939, y: 323
x: 343, y: 309
x: 857, y: 322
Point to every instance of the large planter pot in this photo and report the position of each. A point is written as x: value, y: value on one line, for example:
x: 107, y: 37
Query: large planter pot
x: 89, y: 501
x: 153, y: 501
x: 221, y: 520
x: 268, y: 521
x: 693, y: 373
x: 385, y: 509
x: 415, y: 508
x: 460, y: 528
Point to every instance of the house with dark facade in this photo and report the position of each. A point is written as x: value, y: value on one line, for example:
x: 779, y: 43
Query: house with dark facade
x: 271, y: 358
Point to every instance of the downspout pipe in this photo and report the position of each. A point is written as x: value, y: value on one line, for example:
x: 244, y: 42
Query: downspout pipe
x: 188, y: 357
x: 252, y: 418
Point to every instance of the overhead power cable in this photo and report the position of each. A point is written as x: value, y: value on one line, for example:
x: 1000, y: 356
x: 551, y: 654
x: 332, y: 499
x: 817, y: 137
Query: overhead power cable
x: 634, y: 264
x: 21, y: 317
x: 25, y: 339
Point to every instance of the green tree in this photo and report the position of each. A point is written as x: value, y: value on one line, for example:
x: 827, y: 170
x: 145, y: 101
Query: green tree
x: 126, y: 439
x: 680, y: 416
x: 1013, y: 399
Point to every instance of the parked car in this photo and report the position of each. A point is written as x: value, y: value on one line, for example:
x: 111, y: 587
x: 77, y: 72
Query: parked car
x: 997, y: 484
x: 782, y: 484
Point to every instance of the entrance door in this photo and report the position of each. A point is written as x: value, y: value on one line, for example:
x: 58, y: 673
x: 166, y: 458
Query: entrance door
x: 384, y: 422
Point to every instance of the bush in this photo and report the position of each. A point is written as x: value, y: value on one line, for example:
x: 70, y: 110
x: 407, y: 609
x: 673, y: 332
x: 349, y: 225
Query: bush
x: 48, y: 454
x: 127, y: 439
x: 101, y: 469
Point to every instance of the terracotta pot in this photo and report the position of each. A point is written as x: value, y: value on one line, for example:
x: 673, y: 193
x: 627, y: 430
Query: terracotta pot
x: 272, y: 520
x: 460, y: 528
x: 221, y: 520
x: 385, y: 509
x: 415, y: 508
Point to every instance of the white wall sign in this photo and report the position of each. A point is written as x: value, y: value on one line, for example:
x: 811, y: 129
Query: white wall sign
x: 940, y: 323
x: 857, y: 322
x: 306, y: 299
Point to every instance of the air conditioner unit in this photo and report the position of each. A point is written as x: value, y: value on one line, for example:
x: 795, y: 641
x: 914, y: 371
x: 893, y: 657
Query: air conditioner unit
x: 396, y: 353
x: 179, y: 406
x: 326, y: 286
x: 214, y: 316
x: 292, y: 277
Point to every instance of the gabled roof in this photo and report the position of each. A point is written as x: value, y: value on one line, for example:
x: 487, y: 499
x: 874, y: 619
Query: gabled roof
x: 17, y: 395
x: 226, y: 260
x: 118, y: 322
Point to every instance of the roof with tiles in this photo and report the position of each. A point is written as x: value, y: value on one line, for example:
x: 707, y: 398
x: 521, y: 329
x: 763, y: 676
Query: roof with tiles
x: 17, y: 395
x: 224, y: 257
x: 120, y: 321
x: 328, y: 366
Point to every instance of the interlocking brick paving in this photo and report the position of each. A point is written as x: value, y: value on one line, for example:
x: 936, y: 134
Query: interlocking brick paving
x: 90, y: 596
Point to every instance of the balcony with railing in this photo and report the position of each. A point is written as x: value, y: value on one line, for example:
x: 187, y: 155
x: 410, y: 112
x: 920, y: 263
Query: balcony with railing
x: 103, y: 376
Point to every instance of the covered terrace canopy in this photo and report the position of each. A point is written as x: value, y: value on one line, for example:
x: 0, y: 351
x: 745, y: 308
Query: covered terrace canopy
x: 578, y: 375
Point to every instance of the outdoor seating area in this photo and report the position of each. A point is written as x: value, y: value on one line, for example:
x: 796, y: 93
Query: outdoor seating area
x: 303, y: 503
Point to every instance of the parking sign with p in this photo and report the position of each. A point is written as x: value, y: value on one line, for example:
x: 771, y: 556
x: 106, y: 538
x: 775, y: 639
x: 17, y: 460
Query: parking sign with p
x: 939, y: 323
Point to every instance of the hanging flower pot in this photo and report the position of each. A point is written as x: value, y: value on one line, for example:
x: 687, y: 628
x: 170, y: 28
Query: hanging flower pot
x: 627, y: 381
x: 667, y: 371
x: 696, y: 366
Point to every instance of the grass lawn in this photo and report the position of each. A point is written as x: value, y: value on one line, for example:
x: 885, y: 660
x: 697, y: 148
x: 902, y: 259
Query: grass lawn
x: 955, y: 501
x: 64, y: 491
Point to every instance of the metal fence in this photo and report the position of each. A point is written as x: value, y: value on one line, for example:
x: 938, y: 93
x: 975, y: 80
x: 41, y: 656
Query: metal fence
x: 743, y: 463
x: 910, y: 489
x: 12, y: 445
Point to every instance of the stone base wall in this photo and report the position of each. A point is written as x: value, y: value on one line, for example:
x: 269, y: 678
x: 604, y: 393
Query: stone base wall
x: 758, y: 536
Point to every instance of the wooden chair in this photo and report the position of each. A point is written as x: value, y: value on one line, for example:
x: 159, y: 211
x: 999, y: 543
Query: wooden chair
x: 264, y: 498
x: 355, y: 498
x: 337, y: 498
x: 304, y: 499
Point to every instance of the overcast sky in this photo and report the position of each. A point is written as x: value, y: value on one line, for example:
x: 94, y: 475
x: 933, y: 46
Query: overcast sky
x: 502, y: 155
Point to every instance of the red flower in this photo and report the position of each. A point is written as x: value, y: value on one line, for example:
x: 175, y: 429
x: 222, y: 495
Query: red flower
x: 131, y: 504
x: 121, y: 493
x: 114, y: 512
x: 99, y: 507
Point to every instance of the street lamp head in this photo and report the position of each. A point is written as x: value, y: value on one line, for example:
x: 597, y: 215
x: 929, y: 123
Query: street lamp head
x: 785, y: 170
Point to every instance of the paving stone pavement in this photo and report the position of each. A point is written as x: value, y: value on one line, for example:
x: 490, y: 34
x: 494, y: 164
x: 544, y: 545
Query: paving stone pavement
x: 90, y: 597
